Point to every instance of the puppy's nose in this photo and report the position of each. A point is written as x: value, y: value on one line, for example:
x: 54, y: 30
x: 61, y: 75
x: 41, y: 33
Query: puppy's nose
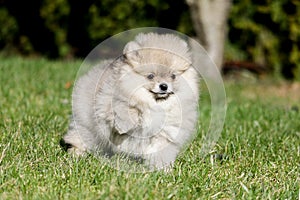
x: 163, y: 87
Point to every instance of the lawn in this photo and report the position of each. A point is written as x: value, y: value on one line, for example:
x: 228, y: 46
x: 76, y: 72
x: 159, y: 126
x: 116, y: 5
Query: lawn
x: 260, y: 143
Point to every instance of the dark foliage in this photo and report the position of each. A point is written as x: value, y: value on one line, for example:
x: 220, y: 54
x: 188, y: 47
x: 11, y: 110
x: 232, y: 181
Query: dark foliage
x: 263, y: 32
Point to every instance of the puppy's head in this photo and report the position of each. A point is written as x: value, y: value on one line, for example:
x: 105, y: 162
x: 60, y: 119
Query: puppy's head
x: 159, y: 60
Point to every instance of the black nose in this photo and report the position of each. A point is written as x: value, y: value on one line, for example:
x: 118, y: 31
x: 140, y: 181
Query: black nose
x: 163, y: 87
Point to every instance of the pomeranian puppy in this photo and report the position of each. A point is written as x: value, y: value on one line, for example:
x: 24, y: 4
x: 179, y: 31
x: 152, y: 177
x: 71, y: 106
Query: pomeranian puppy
x: 142, y: 105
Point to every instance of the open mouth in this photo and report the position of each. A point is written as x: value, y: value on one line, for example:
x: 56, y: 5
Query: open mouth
x: 161, y: 95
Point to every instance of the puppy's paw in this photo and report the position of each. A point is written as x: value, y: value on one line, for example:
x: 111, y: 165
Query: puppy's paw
x: 125, y: 119
x: 74, y: 151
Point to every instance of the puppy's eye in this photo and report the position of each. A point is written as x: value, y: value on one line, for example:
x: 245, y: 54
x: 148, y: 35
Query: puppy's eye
x: 150, y: 76
x: 173, y: 76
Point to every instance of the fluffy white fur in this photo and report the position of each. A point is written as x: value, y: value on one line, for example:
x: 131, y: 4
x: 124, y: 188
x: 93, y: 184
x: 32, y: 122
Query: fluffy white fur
x: 121, y: 107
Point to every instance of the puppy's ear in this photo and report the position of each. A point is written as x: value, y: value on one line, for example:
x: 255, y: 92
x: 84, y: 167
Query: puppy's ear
x: 131, y: 53
x: 180, y: 65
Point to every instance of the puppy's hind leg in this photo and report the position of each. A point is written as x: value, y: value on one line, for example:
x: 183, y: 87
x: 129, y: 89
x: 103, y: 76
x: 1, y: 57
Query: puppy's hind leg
x: 78, y: 140
x: 73, y: 143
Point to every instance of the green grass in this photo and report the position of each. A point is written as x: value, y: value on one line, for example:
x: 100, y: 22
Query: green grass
x: 261, y: 141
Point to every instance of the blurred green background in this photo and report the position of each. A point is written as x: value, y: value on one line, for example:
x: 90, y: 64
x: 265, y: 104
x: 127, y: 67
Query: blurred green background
x: 266, y: 32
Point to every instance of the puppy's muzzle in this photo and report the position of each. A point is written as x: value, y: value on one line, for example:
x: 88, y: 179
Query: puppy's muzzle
x: 163, y: 93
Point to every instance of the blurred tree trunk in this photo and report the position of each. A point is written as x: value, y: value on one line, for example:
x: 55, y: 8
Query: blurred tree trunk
x: 210, y: 23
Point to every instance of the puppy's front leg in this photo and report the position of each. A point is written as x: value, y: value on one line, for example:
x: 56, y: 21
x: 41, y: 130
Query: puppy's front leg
x: 125, y: 118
